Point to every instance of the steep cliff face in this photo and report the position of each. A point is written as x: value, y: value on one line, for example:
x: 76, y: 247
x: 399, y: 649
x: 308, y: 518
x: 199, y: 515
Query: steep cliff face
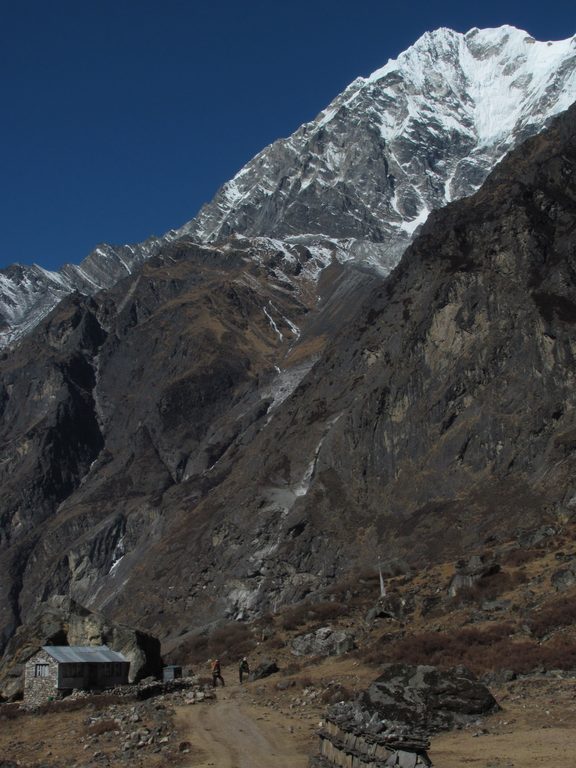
x: 115, y: 401
x: 443, y: 415
x: 230, y: 427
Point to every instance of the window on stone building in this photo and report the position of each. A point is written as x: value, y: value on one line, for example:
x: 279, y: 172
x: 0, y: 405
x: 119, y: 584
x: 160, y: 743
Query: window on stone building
x: 41, y: 670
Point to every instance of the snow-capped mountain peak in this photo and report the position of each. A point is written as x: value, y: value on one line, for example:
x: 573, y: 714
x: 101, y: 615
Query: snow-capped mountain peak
x: 421, y: 131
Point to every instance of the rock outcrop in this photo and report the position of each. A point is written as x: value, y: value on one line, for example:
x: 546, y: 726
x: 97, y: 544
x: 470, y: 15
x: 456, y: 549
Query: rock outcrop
x: 61, y: 621
x: 325, y: 641
x: 389, y: 724
x: 470, y: 572
x: 428, y: 698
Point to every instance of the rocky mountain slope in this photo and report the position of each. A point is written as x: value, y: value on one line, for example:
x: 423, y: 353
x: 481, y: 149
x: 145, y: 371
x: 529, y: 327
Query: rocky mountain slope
x: 206, y: 439
x: 115, y: 399
x: 423, y: 130
x: 28, y: 294
x: 442, y: 416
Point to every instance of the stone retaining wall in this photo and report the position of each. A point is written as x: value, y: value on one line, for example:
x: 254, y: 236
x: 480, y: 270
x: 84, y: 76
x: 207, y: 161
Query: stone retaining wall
x: 346, y: 749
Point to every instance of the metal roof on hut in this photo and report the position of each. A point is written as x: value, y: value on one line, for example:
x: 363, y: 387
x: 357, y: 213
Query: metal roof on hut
x: 82, y: 654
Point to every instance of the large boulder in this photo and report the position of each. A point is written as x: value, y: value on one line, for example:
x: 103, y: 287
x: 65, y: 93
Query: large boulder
x: 325, y: 641
x: 62, y: 621
x: 564, y: 579
x: 390, y: 607
x: 427, y: 697
x: 265, y: 669
x: 470, y: 572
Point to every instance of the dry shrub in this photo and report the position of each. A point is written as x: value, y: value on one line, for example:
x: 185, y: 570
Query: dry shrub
x: 273, y: 643
x: 291, y: 669
x: 102, y: 726
x: 526, y: 656
x: 335, y: 693
x: 192, y: 650
x: 294, y: 617
x: 95, y: 701
x: 490, y: 587
x: 228, y: 642
x: 312, y: 612
x: 481, y: 650
x: 517, y: 557
x: 467, y: 646
x: 558, y: 613
x: 11, y: 711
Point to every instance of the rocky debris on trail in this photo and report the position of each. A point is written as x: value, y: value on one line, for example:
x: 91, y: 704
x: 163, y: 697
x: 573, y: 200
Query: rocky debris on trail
x: 180, y: 690
x: 62, y: 621
x: 325, y: 641
x: 265, y: 669
x: 131, y: 732
x: 389, y: 724
x: 470, y: 572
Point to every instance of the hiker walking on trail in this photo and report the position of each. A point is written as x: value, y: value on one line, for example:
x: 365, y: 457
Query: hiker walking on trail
x: 243, y: 669
x: 216, y: 673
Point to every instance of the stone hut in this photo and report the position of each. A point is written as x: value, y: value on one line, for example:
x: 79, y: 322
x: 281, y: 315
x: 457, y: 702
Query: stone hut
x: 58, y: 669
x: 171, y: 672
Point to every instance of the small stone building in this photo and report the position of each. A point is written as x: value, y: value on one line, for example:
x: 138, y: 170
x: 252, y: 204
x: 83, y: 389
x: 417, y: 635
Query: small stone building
x: 58, y: 669
x: 171, y: 672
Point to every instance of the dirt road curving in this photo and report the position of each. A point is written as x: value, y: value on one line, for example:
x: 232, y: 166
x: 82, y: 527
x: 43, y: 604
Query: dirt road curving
x: 233, y: 733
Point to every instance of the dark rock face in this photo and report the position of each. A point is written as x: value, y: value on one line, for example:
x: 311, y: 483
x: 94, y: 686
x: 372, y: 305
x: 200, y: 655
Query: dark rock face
x: 265, y: 669
x: 29, y: 293
x: 428, y: 698
x: 440, y: 416
x: 117, y: 401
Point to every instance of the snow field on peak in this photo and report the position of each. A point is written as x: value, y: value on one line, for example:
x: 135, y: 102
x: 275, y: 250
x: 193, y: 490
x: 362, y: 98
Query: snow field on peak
x: 488, y: 70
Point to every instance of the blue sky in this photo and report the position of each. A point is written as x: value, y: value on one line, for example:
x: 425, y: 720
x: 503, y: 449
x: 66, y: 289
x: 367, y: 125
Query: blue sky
x: 121, y: 117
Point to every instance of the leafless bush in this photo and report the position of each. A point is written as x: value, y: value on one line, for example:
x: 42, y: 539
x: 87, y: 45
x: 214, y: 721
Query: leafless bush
x: 228, y: 642
x: 518, y: 557
x: 558, y: 613
x: 308, y: 612
x: 11, y: 711
x: 490, y: 587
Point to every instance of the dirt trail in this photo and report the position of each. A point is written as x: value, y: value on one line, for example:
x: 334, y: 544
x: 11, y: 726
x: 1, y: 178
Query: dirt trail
x: 233, y: 733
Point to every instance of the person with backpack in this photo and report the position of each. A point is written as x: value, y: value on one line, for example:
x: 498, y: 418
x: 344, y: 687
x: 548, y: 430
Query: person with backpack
x: 243, y: 669
x: 216, y: 673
